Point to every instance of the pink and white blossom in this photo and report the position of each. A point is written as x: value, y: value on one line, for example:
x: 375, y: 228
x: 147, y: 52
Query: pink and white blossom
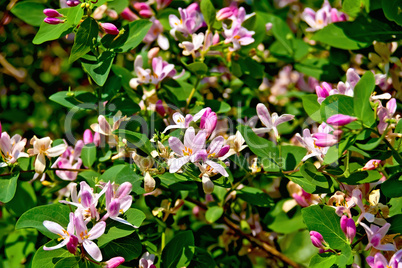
x: 86, y: 238
x: 11, y: 148
x: 271, y: 122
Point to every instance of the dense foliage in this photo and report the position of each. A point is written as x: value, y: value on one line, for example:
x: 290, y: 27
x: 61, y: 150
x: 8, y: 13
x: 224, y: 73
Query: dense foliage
x: 200, y: 133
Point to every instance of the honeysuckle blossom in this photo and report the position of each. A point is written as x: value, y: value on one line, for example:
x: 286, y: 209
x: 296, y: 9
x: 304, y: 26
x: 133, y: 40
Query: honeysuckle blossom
x: 208, y: 120
x: 270, y: 122
x: 237, y: 35
x: 386, y: 113
x: 180, y: 121
x: 114, y: 262
x: 317, y: 240
x: 190, y: 48
x: 372, y: 164
x: 375, y: 234
x: 166, y: 209
x: 300, y: 197
x: 118, y: 200
x: 308, y: 142
x: 103, y: 127
x: 190, y: 151
x: 147, y: 260
x: 155, y: 33
x: 65, y: 235
x: 379, y: 261
x: 42, y: 148
x: 127, y: 14
x: 324, y: 16
x: 143, y: 9
x: 85, y: 201
x: 85, y: 238
x: 325, y: 139
x: 70, y: 159
x: 348, y: 228
x: 160, y: 70
x: 337, y: 120
x: 236, y: 143
x: 190, y: 21
x: 11, y: 148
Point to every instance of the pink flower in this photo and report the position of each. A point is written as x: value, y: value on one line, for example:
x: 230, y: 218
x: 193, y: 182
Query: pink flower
x: 161, y: 4
x: 114, y: 262
x: 143, y: 9
x: 323, y: 91
x: 147, y: 260
x: 270, y: 122
x: 73, y: 3
x: 375, y: 234
x: 208, y: 120
x: 379, y: 261
x: 86, y: 238
x: 386, y: 113
x: 65, y: 235
x: 372, y: 164
x: 308, y: 142
x: 180, y: 121
x: 325, y: 139
x: 190, y: 21
x: 11, y: 148
x: 127, y: 14
x: 155, y: 33
x: 317, y: 239
x: 53, y: 20
x: 70, y: 160
x: 227, y: 12
x: 88, y: 136
x: 337, y: 120
x: 110, y: 28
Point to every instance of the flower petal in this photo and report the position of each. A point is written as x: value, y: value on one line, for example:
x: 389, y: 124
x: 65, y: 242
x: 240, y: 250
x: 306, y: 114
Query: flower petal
x: 93, y: 250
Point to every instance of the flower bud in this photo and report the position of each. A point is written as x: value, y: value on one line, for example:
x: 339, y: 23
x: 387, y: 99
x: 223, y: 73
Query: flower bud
x: 348, y: 227
x: 226, y: 12
x: 149, y: 183
x: 143, y: 9
x: 338, y: 120
x: 159, y: 108
x: 73, y: 3
x: 162, y: 4
x: 323, y: 91
x: 324, y: 139
x: 110, y: 28
x: 317, y: 239
x: 53, y: 20
x: 215, y: 38
x: 51, y: 13
x: 88, y: 136
x: 114, y: 262
x: 97, y: 139
x: 224, y: 150
x: 208, y: 121
x: 152, y: 53
x: 207, y: 184
x: 372, y: 164
x: 127, y: 14
x: 112, y: 14
x: 72, y: 244
x: 268, y: 26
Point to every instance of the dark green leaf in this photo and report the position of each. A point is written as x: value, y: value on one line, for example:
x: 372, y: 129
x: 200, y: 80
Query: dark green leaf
x: 84, y: 39
x: 392, y: 187
x: 139, y: 140
x: 314, y: 180
x: 128, y: 247
x: 312, y: 107
x: 319, y: 68
x: 392, y: 10
x: 177, y: 253
x: 198, y: 68
x: 48, y: 259
x: 98, y: 68
x: 80, y: 99
x: 254, y: 196
x: 127, y: 174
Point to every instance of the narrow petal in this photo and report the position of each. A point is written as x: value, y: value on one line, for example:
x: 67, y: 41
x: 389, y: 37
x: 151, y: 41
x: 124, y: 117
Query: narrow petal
x: 176, y: 145
x: 54, y: 227
x: 40, y: 163
x: 218, y: 168
x: 263, y: 114
x: 93, y: 250
x: 56, y: 150
x: 284, y: 118
x: 177, y: 163
x: 97, y: 230
x: 62, y: 244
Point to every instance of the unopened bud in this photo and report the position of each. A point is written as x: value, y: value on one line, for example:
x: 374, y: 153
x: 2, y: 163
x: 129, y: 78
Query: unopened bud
x: 51, y: 13
x: 110, y: 28
x: 53, y: 20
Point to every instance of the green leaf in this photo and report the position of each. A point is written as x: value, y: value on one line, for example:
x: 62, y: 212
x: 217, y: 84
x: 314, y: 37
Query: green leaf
x: 84, y: 39
x: 337, y: 104
x: 49, y: 258
x: 396, y: 224
x: 314, y: 180
x: 209, y: 12
x: 126, y: 105
x: 392, y: 10
x: 213, y: 214
x: 324, y: 260
x: 292, y: 156
x: 392, y: 187
x: 263, y: 148
x: 127, y: 174
x: 282, y: 222
x: 133, y: 35
x: 34, y: 218
x: 254, y: 196
x: 139, y: 140
x: 128, y: 247
x: 177, y: 252
x: 351, y: 7
x: 202, y: 259
x: 23, y: 200
x: 8, y: 185
x: 125, y: 76
x: 18, y: 245
x: 312, y: 107
x: 88, y: 154
x: 280, y: 30
x: 361, y: 99
x: 319, y: 68
x: 324, y: 220
x: 49, y: 32
x: 98, y: 68
x: 219, y: 107
x: 79, y: 99
x: 198, y: 68
x: 117, y: 230
x: 29, y: 12
x: 357, y: 34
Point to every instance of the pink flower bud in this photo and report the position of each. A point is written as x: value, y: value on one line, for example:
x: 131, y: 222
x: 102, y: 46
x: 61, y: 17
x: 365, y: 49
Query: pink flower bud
x: 143, y: 9
x: 208, y: 121
x: 72, y: 244
x: 127, y: 14
x: 114, y: 262
x: 162, y: 4
x: 53, y: 20
x: 97, y: 139
x: 317, y: 239
x: 193, y: 8
x: 268, y: 26
x: 337, y: 133
x: 224, y: 150
x: 112, y: 14
x: 215, y: 38
x: 348, y: 227
x: 372, y: 164
x: 88, y: 136
x: 323, y: 91
x: 73, y: 3
x: 324, y: 139
x: 340, y: 120
x: 227, y: 12
x: 159, y: 108
x: 51, y: 13
x: 110, y: 28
